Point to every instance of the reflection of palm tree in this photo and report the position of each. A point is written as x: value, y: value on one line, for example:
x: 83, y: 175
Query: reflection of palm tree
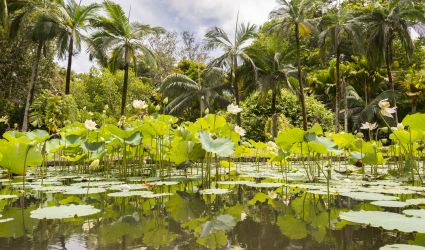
x: 122, y: 39
x: 233, y: 52
x: 294, y: 14
x: 339, y: 25
x: 386, y: 22
x: 183, y: 91
x: 272, y: 75
x: 72, y: 19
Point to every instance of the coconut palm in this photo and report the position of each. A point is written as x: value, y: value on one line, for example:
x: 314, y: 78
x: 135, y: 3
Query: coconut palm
x: 339, y: 26
x: 233, y: 52
x: 121, y: 40
x: 294, y: 14
x: 72, y: 20
x: 273, y: 75
x: 206, y: 91
x: 387, y: 22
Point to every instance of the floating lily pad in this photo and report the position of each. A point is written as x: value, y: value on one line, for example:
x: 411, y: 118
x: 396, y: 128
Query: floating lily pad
x: 420, y: 213
x: 77, y: 191
x: 364, y: 196
x: 265, y: 185
x: 63, y: 212
x: 386, y: 220
x: 127, y: 187
x: 8, y: 196
x: 418, y: 201
x: 215, y: 191
x: 6, y: 220
x: 129, y: 193
x: 164, y: 183
x: 235, y: 182
x: 152, y: 195
x: 390, y: 203
x: 401, y: 247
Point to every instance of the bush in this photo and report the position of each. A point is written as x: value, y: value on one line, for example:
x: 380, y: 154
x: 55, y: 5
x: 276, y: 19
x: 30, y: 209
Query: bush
x: 257, y: 112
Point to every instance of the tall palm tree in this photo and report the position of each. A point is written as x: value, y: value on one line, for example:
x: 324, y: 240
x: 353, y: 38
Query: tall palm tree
x: 387, y: 22
x: 273, y: 74
x: 122, y: 40
x: 206, y: 91
x: 31, y: 19
x: 233, y: 52
x: 339, y: 25
x: 295, y: 14
x: 72, y: 20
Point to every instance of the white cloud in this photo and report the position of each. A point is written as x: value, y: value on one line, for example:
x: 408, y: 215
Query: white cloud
x: 194, y: 15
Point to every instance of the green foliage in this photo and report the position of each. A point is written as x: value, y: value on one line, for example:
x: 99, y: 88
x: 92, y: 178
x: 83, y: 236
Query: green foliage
x: 257, y: 110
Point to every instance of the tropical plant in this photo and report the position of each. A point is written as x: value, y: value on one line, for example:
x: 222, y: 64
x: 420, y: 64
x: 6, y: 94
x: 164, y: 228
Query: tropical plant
x: 388, y: 21
x: 233, y: 52
x: 295, y: 14
x: 206, y: 91
x: 122, y: 40
x: 339, y: 25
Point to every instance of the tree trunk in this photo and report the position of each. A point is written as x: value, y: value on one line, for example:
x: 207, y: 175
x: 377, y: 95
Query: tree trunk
x: 274, y: 115
x: 414, y: 104
x: 300, y: 80
x: 68, y: 69
x: 31, y: 86
x: 125, y: 86
x: 344, y: 85
x: 388, y: 62
x: 236, y: 89
x: 338, y: 89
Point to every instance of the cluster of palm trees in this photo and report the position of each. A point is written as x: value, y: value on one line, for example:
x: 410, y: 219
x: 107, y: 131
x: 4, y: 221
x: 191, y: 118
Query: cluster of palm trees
x: 111, y: 38
x: 115, y: 42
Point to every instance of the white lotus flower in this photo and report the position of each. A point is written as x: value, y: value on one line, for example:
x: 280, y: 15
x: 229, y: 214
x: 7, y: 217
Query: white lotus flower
x: 234, y: 109
x: 400, y: 126
x: 240, y: 131
x: 90, y: 124
x: 243, y: 216
x: 272, y: 194
x: 139, y: 104
x: 386, y: 109
x: 271, y: 145
x: 369, y: 126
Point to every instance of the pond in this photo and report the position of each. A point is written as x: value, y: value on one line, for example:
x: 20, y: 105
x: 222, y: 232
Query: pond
x: 254, y: 210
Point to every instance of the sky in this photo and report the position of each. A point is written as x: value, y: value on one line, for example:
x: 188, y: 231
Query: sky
x: 196, y: 16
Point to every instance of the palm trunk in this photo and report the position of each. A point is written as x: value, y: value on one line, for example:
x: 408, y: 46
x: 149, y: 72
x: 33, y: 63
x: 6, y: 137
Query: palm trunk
x: 300, y: 80
x: 68, y: 69
x: 274, y: 115
x: 388, y: 59
x: 338, y: 89
x: 344, y: 85
x: 31, y: 86
x: 125, y: 85
x: 236, y: 89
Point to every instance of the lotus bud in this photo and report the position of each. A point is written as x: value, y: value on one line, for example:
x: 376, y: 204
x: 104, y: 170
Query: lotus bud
x: 207, y: 111
x: 384, y: 141
x: 157, y: 108
x: 360, y: 135
x: 165, y: 101
x: 94, y: 164
x: 384, y: 129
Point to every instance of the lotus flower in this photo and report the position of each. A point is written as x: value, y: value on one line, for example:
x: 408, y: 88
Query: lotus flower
x: 386, y: 109
x: 243, y: 216
x: 271, y: 145
x: 139, y: 104
x: 234, y: 109
x: 240, y: 131
x: 90, y: 124
x: 369, y: 126
x: 400, y: 126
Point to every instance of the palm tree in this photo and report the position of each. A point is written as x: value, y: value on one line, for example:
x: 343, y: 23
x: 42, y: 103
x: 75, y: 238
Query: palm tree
x: 294, y: 14
x: 233, y: 52
x: 31, y: 20
x: 387, y: 22
x: 206, y: 91
x: 273, y: 74
x: 122, y: 39
x: 339, y: 26
x: 72, y: 20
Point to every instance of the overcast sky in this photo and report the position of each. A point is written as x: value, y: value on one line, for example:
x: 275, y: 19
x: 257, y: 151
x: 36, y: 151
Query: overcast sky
x: 196, y: 16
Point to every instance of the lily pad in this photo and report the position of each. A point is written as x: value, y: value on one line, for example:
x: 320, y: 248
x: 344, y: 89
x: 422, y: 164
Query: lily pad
x: 127, y: 187
x: 77, y: 191
x: 401, y: 247
x: 129, y: 193
x: 418, y: 201
x: 215, y: 191
x: 6, y: 220
x: 386, y: 220
x: 420, y: 213
x: 8, y: 196
x: 64, y: 211
x: 390, y: 203
x: 364, y: 196
x: 164, y: 183
x: 265, y: 185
